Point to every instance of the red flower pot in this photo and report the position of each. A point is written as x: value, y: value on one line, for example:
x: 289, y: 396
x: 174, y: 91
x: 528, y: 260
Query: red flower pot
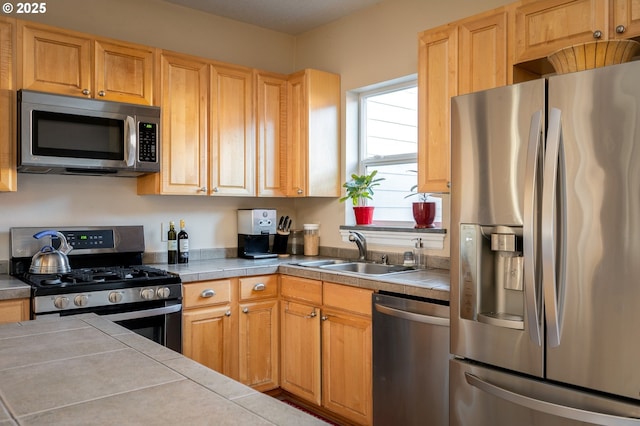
x: 424, y: 213
x: 364, y: 215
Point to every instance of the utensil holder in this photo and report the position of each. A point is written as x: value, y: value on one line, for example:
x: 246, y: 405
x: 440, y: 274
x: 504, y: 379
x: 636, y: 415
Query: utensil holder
x: 280, y: 240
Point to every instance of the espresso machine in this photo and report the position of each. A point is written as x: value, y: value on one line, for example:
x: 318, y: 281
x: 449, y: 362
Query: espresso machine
x: 255, y: 230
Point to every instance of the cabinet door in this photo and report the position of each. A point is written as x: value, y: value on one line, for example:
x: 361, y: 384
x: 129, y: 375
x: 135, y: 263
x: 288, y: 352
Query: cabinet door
x: 271, y: 133
x: 545, y: 26
x: 55, y: 61
x: 185, y: 87
x: 347, y: 365
x: 8, y: 178
x: 300, y: 350
x: 625, y: 15
x: 207, y: 337
x: 437, y: 83
x: 124, y: 73
x: 232, y: 146
x: 259, y: 344
x: 14, y: 310
x: 482, y: 53
x: 297, y: 131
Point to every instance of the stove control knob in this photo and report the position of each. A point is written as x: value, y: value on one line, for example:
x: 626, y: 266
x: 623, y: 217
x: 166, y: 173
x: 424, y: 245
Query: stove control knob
x: 115, y: 297
x: 147, y: 293
x: 164, y: 292
x: 81, y: 300
x: 61, y: 302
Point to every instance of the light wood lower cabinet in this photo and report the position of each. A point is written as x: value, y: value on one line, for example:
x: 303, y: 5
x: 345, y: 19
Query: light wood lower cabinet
x: 232, y: 326
x: 14, y: 310
x: 207, y: 328
x: 326, y: 346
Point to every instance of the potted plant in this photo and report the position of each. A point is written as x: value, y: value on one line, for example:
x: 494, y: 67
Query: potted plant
x: 359, y: 189
x: 424, y: 211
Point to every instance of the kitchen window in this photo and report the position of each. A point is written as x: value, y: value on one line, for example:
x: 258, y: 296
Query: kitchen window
x: 389, y: 144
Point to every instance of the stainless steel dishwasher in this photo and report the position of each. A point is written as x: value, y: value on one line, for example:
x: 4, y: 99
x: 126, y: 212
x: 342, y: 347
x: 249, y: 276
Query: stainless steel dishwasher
x: 410, y: 361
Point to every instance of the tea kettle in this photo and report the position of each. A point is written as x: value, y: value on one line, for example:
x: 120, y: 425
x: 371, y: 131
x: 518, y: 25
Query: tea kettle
x: 49, y: 260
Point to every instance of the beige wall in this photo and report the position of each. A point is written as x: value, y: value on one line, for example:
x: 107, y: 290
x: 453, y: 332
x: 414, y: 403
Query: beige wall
x: 369, y: 47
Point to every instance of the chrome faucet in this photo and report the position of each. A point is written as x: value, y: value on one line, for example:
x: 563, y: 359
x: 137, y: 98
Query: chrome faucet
x: 361, y: 242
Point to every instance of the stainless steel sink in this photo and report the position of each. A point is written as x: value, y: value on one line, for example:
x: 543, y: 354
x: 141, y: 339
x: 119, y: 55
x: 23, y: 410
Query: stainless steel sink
x: 366, y: 268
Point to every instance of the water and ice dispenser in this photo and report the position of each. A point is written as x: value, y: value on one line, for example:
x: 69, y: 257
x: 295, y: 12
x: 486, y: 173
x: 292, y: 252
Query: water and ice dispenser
x: 491, y: 268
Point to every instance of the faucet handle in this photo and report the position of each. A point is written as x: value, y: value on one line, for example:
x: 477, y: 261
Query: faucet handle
x: 385, y: 259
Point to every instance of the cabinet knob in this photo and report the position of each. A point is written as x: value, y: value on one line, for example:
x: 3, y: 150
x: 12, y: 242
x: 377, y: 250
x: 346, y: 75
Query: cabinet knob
x: 597, y: 34
x: 245, y: 310
x: 215, y: 189
x: 259, y: 287
x: 208, y: 293
x: 620, y: 29
x: 203, y: 189
x: 86, y: 92
x: 102, y: 93
x: 228, y: 313
x: 300, y: 191
x: 324, y: 317
x: 312, y: 314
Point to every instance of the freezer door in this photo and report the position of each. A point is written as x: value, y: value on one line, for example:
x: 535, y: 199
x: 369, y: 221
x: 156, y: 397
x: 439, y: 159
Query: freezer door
x: 495, y: 312
x: 481, y: 396
x: 591, y: 230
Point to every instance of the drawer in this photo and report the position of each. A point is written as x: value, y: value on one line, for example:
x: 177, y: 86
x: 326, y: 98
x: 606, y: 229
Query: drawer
x: 352, y: 299
x: 261, y: 287
x: 302, y: 289
x: 206, y: 293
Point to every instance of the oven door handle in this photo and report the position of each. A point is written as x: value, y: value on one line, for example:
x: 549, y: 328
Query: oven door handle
x: 144, y: 314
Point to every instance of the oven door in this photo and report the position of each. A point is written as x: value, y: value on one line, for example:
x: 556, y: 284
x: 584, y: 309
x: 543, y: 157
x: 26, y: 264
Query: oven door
x: 163, y: 324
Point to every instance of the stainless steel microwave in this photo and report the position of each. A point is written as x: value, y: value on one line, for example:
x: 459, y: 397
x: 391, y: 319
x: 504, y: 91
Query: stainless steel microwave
x: 69, y: 135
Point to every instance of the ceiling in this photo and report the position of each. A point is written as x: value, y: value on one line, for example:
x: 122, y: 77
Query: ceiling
x: 287, y: 16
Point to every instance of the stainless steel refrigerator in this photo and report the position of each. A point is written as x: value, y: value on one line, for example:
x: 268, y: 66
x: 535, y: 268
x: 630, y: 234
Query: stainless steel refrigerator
x: 545, y: 252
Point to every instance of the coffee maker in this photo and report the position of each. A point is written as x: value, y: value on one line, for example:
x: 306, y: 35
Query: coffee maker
x: 255, y: 226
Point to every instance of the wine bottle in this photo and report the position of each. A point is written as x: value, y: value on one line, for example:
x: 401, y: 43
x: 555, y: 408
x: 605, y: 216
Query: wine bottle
x: 172, y: 244
x: 183, y: 244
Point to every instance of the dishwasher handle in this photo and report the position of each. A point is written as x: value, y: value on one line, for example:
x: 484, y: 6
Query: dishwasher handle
x: 411, y: 316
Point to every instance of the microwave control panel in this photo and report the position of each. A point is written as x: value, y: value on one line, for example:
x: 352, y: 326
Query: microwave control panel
x: 147, y: 142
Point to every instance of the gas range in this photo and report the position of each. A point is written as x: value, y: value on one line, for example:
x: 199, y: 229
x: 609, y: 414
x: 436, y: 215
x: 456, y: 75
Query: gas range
x: 106, y: 271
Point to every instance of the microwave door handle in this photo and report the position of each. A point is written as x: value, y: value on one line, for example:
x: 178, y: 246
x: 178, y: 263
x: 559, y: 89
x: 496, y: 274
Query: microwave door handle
x: 531, y: 275
x: 130, y: 142
x: 548, y: 231
x: 555, y: 409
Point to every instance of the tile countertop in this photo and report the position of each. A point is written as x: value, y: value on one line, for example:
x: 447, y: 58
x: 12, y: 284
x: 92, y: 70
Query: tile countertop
x: 428, y: 283
x: 85, y: 370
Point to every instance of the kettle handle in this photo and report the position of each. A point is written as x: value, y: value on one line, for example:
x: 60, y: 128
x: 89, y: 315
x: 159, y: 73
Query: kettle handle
x: 64, y: 246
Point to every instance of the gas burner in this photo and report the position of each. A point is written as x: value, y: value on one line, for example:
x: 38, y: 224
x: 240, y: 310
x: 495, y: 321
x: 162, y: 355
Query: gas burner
x: 51, y: 281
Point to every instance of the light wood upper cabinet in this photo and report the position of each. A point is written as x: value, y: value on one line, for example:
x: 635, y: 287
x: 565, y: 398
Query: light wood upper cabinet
x: 60, y: 61
x: 271, y: 133
x: 123, y: 72
x: 458, y: 58
x: 14, y: 310
x: 483, y: 55
x: 437, y: 83
x: 625, y: 19
x: 313, y: 127
x: 544, y: 26
x: 185, y: 116
x: 232, y: 141
x: 8, y: 176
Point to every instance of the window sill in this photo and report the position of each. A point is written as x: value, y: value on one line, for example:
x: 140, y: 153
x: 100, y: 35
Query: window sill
x: 400, y: 236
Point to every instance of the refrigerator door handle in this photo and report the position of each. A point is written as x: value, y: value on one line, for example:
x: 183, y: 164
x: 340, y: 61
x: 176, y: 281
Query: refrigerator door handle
x: 548, y: 225
x: 529, y: 229
x: 550, y: 407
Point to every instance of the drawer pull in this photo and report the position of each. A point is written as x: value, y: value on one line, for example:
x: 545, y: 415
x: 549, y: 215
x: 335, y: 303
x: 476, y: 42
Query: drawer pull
x: 259, y: 287
x: 208, y: 293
